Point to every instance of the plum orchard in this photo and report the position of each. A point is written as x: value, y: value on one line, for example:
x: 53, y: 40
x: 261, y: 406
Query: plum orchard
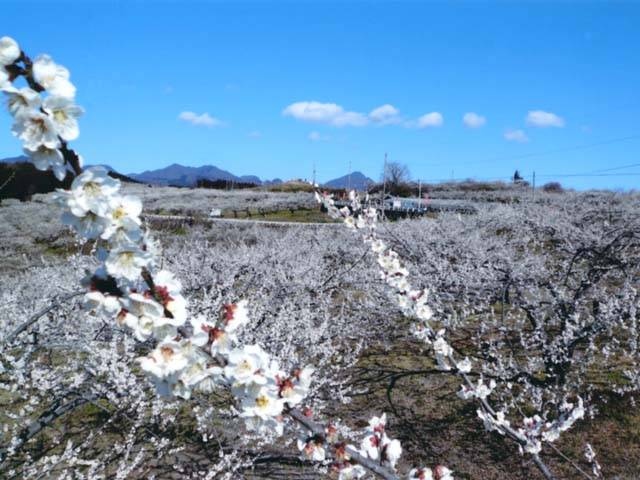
x: 195, y: 356
x: 191, y: 353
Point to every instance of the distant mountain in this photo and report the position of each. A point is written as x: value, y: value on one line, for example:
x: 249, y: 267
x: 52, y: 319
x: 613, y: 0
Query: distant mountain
x: 20, y: 159
x: 180, y: 175
x: 275, y: 181
x: 114, y: 174
x: 358, y: 181
x: 250, y: 179
x: 108, y: 168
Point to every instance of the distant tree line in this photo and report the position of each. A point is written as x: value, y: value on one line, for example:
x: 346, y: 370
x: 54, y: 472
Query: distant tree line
x: 23, y: 180
x: 220, y: 184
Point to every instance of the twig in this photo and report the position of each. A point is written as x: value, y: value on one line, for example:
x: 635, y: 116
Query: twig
x: 318, y: 430
x: 571, y: 462
x: 57, y: 302
x: 55, y: 411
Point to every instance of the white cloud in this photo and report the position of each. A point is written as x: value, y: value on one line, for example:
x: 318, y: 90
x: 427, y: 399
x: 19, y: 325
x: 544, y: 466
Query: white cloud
x: 433, y: 119
x: 540, y: 118
x: 385, y: 115
x: 328, y: 113
x: 516, y: 136
x: 317, y: 137
x: 473, y: 120
x: 204, y: 119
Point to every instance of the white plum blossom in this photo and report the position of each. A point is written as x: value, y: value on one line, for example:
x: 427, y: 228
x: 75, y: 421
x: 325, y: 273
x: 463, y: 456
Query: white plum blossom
x: 498, y: 422
x: 64, y: 113
x: 530, y: 431
x: 107, y: 305
x: 420, y: 474
x: 392, y: 450
x: 164, y: 364
x: 377, y: 445
x: 481, y: 390
x: 89, y: 226
x: 36, y: 130
x: 590, y: 455
x: 312, y: 449
x: 570, y: 414
x: 378, y: 424
x: 351, y: 472
x: 124, y: 218
x: 260, y: 401
x: 378, y: 246
x: 443, y: 351
x: 4, y: 80
x: 45, y: 158
x: 235, y: 315
x: 9, y: 51
x: 167, y: 289
x: 265, y: 426
x: 423, y: 312
x: 248, y: 365
x: 442, y: 473
x: 295, y: 388
x: 52, y: 77
x: 91, y: 192
x: 206, y: 333
x: 22, y: 101
x: 200, y: 373
x: 127, y: 261
x: 143, y: 315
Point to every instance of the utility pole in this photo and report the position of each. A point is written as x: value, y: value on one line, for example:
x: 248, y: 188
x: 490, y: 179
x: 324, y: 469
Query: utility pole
x: 349, y: 174
x: 533, y: 186
x: 314, y: 174
x: 384, y: 183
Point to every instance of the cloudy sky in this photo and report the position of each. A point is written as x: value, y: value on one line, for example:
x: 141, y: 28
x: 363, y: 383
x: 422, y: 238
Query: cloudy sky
x: 472, y: 90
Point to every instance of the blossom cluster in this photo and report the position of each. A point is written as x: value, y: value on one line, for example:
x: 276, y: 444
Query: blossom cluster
x: 43, y: 125
x: 376, y: 447
x: 128, y: 287
x: 413, y: 303
x: 198, y: 353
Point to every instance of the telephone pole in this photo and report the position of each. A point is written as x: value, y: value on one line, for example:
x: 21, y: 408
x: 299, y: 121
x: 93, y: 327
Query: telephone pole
x: 533, y: 186
x: 314, y: 174
x: 384, y: 184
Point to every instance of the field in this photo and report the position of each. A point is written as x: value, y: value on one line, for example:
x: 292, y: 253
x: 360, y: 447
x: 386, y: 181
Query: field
x: 521, y: 281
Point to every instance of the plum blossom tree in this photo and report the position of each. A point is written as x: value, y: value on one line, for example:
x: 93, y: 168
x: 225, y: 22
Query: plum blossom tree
x: 537, y: 327
x: 560, y: 323
x: 130, y: 288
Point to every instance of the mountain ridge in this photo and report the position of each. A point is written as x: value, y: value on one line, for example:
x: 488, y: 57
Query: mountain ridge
x: 185, y: 176
x: 355, y: 181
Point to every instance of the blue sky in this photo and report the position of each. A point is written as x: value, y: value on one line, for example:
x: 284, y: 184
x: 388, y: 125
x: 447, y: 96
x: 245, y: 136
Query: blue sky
x: 557, y: 85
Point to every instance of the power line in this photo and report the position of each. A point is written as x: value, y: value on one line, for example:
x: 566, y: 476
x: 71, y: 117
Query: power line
x: 548, y: 152
x: 564, y: 175
x: 548, y: 175
x: 617, y: 168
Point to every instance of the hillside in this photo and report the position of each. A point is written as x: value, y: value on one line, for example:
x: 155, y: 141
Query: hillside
x: 354, y: 181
